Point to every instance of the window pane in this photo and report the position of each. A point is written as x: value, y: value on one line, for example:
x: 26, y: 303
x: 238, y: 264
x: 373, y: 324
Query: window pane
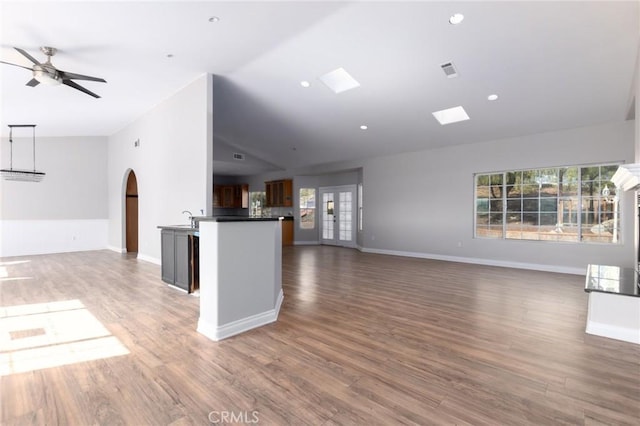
x: 589, y: 173
x: 530, y: 190
x: 482, y: 205
x: 482, y: 180
x: 569, y: 188
x: 307, y: 208
x: 591, y: 187
x: 529, y: 177
x: 607, y: 171
x: 549, y: 190
x: 496, y: 179
x: 514, y: 204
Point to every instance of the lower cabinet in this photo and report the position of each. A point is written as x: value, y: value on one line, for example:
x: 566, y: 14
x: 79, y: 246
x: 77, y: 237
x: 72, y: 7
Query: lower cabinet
x: 287, y: 232
x: 180, y: 256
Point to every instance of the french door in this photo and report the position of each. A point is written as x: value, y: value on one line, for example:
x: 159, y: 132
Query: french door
x: 338, y: 217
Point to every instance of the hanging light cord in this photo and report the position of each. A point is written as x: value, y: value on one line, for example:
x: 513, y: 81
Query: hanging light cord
x: 34, y: 148
x: 10, y: 148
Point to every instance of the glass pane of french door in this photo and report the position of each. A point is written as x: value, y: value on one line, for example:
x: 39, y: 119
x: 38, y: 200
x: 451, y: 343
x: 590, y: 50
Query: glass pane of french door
x: 345, y: 221
x: 327, y: 215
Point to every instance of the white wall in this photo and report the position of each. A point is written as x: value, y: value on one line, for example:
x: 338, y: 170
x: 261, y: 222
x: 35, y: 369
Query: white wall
x: 421, y: 203
x: 67, y: 211
x: 172, y: 166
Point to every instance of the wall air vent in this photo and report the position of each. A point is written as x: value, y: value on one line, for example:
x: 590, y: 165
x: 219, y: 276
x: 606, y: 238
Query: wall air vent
x: 449, y: 70
x: 238, y: 156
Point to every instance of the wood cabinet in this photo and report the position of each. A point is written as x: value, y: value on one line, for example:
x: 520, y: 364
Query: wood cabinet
x: 287, y: 232
x: 279, y: 193
x: 231, y: 196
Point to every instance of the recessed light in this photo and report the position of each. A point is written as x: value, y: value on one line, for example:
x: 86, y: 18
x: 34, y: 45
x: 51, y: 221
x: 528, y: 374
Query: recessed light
x: 305, y: 83
x: 492, y: 97
x: 214, y: 19
x: 339, y: 80
x: 456, y: 18
x: 170, y: 55
x: 364, y: 127
x: 451, y: 115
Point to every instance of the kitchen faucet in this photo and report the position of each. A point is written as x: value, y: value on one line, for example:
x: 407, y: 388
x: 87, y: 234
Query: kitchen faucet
x: 191, y: 221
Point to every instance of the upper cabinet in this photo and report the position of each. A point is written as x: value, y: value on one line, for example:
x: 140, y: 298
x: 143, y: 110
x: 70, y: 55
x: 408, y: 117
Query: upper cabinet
x: 279, y: 193
x: 231, y: 196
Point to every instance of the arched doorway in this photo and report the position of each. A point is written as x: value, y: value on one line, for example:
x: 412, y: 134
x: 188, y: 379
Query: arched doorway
x: 131, y: 213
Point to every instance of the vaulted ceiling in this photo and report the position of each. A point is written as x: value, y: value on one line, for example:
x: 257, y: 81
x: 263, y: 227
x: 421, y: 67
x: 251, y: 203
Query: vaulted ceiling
x: 554, y: 65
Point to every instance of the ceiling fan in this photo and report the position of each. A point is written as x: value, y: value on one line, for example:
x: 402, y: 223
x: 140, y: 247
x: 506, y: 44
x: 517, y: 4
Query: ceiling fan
x: 46, y: 73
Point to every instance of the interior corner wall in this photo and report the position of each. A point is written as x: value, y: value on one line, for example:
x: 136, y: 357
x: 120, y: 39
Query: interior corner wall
x: 67, y: 210
x: 637, y: 106
x: 172, y: 165
x: 421, y: 204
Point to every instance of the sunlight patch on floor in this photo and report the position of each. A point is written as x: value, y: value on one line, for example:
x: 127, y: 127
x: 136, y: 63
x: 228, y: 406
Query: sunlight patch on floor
x: 44, y: 335
x: 4, y: 272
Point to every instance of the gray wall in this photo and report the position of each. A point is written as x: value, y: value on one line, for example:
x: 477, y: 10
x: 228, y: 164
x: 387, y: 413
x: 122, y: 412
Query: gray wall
x: 422, y: 203
x: 75, y: 185
x: 65, y: 212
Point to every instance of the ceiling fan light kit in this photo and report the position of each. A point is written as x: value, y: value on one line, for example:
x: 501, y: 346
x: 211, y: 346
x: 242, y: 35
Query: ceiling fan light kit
x: 18, y: 174
x: 46, y: 73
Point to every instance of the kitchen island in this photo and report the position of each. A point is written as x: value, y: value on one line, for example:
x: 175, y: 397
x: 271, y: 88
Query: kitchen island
x: 240, y: 274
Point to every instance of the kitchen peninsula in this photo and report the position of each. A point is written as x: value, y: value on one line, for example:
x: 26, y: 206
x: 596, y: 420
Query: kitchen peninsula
x: 614, y: 302
x: 240, y: 261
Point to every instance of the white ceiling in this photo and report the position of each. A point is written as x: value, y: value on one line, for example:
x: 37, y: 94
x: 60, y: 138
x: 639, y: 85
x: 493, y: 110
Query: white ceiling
x: 555, y: 65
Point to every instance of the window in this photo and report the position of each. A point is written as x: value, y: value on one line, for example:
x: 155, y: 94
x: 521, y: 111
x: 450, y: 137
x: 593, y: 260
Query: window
x: 307, y: 208
x: 258, y: 200
x: 576, y: 203
x: 359, y: 207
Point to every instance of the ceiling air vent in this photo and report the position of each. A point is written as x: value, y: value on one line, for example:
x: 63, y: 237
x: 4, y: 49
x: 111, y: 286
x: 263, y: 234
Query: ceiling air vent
x: 238, y: 156
x: 449, y: 70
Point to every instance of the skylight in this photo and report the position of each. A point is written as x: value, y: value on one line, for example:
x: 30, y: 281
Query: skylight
x: 451, y: 115
x: 339, y: 80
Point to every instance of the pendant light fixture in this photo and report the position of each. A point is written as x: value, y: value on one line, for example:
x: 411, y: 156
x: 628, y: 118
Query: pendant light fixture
x: 18, y: 174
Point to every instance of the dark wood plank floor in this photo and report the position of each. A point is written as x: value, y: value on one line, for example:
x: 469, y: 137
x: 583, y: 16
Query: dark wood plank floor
x: 361, y: 339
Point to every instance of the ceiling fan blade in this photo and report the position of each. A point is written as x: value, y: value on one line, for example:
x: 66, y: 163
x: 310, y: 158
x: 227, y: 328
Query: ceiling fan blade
x: 78, y: 87
x: 26, y: 55
x: 16, y: 65
x: 33, y: 82
x: 74, y: 76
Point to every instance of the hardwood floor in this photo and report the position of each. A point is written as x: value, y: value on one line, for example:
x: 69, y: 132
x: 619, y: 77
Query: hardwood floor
x: 361, y: 339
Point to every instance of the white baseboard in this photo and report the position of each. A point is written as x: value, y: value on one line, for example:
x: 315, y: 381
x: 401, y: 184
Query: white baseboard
x: 477, y: 261
x: 619, y: 333
x: 149, y: 259
x: 306, y: 243
x: 32, y: 237
x: 117, y: 249
x: 139, y: 256
x: 240, y: 326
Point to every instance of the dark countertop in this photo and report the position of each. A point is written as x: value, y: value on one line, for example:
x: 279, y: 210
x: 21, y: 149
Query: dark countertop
x: 612, y: 280
x: 233, y: 219
x: 183, y: 228
x: 195, y: 231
